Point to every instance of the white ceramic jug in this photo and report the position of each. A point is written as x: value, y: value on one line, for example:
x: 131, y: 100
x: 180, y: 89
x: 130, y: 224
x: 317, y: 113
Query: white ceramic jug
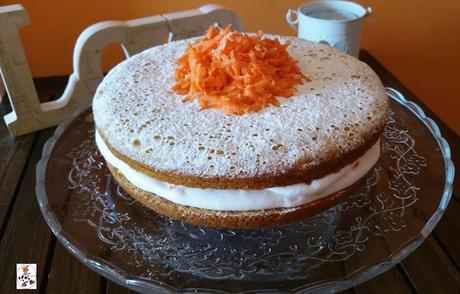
x: 336, y: 23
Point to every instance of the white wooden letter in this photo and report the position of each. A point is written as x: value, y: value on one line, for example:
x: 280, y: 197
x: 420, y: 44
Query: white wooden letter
x: 29, y: 115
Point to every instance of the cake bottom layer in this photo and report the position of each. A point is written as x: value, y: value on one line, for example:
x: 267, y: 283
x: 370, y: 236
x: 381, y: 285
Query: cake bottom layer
x: 253, y: 219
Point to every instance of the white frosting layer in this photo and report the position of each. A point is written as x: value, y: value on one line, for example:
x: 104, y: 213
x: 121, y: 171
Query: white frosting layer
x: 244, y: 200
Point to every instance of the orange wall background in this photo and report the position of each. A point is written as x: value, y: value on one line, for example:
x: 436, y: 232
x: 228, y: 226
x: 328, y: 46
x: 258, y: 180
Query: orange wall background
x: 417, y: 40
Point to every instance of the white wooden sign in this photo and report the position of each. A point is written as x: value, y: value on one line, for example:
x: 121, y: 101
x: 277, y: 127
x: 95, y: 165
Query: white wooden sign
x: 30, y: 115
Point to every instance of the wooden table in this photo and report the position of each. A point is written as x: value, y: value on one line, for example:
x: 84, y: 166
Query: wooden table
x: 25, y: 237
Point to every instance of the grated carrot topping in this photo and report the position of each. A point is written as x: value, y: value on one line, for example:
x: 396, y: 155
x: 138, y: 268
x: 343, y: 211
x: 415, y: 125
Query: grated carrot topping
x: 237, y: 72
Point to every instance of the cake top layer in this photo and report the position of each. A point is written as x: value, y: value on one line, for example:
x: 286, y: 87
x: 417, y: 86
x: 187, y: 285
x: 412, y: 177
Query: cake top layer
x: 335, y: 114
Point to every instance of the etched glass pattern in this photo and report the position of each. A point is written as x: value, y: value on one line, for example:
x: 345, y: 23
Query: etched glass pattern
x: 389, y: 215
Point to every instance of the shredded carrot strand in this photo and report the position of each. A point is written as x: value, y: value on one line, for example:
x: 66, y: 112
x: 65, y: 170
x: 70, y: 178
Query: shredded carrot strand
x: 237, y: 72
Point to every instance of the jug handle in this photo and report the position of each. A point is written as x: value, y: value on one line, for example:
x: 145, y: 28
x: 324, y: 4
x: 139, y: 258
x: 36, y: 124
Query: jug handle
x: 293, y: 23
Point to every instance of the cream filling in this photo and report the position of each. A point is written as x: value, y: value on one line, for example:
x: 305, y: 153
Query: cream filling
x: 244, y: 200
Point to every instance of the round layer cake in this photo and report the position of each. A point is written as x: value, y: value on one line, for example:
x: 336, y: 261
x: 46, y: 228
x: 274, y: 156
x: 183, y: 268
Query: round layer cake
x: 278, y: 165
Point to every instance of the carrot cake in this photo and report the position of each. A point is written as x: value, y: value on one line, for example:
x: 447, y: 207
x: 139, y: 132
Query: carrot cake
x: 240, y: 130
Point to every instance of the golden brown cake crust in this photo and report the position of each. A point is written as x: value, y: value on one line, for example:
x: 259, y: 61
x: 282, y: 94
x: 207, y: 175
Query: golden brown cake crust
x: 232, y: 219
x: 303, y: 173
x: 328, y: 123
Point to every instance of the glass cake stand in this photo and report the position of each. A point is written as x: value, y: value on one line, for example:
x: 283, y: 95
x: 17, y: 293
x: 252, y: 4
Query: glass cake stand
x: 389, y: 216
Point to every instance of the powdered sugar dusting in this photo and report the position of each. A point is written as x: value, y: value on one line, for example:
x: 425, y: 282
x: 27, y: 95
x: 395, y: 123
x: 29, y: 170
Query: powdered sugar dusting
x: 140, y: 117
